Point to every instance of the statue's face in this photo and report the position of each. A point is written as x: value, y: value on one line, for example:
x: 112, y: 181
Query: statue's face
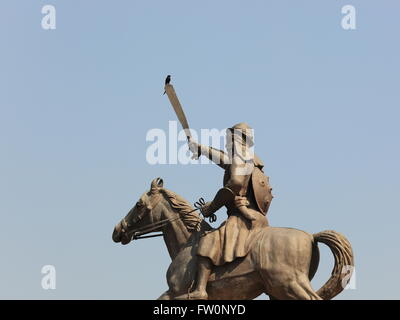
x: 229, y: 142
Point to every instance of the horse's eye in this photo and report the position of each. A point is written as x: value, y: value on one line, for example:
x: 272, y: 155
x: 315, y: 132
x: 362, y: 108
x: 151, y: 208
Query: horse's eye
x: 139, y: 204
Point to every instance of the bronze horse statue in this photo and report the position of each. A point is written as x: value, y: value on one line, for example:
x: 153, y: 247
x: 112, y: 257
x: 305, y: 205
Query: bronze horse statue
x: 280, y: 263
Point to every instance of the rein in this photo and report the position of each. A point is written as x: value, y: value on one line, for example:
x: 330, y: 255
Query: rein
x: 139, y: 233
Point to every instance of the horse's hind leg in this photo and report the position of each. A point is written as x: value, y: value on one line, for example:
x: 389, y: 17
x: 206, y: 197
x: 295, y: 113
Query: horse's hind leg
x: 300, y: 289
x: 292, y: 288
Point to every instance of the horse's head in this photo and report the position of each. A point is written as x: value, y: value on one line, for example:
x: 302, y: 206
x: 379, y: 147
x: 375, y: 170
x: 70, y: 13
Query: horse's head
x: 141, y: 215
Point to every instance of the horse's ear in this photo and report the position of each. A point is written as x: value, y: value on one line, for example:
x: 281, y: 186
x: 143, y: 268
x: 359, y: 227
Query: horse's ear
x: 156, y: 184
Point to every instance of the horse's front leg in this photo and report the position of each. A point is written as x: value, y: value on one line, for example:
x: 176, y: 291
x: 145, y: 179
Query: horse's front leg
x: 181, y: 273
x: 165, y: 296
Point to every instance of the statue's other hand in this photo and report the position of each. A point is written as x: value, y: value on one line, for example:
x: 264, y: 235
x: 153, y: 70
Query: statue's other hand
x: 241, y: 201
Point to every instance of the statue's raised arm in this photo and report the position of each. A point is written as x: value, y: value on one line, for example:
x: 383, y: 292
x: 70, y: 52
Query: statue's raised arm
x: 217, y: 156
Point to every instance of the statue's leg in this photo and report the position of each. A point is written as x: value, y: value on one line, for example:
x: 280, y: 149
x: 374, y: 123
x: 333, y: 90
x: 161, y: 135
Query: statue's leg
x: 203, y: 273
x: 204, y: 267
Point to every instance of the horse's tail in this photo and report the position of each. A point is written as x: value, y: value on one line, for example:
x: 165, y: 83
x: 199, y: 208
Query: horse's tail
x: 344, y: 263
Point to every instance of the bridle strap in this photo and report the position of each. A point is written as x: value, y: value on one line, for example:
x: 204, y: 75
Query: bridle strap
x: 150, y: 236
x: 140, y: 233
x: 154, y: 225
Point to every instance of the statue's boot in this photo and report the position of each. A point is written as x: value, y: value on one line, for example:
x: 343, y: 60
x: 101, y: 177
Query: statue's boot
x: 200, y: 293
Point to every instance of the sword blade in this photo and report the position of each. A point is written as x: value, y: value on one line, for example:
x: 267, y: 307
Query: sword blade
x: 173, y: 98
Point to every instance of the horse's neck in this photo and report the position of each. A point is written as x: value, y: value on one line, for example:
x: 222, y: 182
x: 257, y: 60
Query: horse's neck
x: 175, y: 233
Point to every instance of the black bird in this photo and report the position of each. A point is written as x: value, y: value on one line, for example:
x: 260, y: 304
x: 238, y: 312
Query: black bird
x: 167, y: 81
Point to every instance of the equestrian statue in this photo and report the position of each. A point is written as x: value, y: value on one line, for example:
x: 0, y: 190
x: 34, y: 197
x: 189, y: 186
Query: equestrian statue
x: 244, y: 257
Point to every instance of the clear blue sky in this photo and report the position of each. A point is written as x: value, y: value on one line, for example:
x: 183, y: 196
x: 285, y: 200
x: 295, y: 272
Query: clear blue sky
x: 76, y: 104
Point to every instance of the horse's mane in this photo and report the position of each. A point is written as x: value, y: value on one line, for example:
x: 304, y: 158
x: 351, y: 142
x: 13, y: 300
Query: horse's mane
x: 188, y: 215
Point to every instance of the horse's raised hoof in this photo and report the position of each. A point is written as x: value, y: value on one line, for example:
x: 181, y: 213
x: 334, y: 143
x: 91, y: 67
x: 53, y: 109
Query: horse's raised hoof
x: 195, y: 295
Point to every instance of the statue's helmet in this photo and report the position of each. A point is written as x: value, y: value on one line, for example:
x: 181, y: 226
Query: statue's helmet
x: 244, y: 131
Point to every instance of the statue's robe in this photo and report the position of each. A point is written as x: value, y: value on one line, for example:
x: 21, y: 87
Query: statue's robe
x: 234, y: 237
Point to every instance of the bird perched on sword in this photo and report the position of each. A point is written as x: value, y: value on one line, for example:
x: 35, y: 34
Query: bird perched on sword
x: 167, y: 81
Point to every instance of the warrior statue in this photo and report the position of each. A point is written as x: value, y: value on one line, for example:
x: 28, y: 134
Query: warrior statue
x: 246, y: 195
x: 244, y: 257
